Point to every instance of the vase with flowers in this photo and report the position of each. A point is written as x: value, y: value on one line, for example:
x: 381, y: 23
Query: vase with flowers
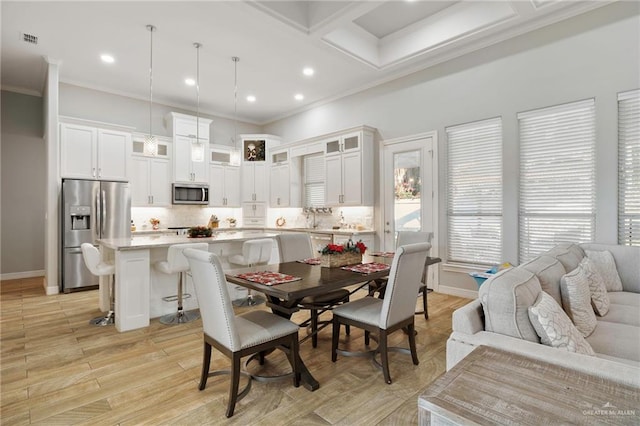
x: 155, y: 223
x: 336, y: 255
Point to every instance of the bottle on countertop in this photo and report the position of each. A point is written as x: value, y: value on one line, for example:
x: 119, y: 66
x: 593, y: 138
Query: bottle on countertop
x: 213, y: 222
x: 342, y: 221
x: 133, y: 226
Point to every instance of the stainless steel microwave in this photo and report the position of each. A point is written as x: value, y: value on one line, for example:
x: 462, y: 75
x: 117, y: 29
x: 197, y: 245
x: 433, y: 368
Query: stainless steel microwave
x: 190, y: 193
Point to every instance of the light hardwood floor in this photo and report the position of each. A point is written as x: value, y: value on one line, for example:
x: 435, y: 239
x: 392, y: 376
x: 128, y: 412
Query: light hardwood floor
x: 56, y: 369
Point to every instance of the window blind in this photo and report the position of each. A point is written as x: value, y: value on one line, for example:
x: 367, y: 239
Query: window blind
x: 314, y: 180
x: 557, y: 176
x: 474, y: 192
x: 629, y: 168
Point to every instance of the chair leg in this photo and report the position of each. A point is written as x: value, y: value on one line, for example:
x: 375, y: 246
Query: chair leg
x: 314, y: 328
x: 384, y: 355
x: 206, y: 362
x: 424, y: 302
x: 412, y: 344
x: 347, y: 327
x: 366, y: 338
x: 334, y: 339
x: 235, y: 381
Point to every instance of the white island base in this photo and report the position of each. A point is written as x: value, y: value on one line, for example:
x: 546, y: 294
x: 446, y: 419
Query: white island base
x: 139, y: 287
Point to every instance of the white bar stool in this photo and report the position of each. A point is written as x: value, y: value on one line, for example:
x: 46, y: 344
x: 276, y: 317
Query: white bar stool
x: 176, y: 263
x: 98, y: 267
x: 254, y: 252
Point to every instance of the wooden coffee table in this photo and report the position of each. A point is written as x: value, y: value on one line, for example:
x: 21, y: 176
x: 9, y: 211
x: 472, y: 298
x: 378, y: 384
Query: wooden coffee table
x: 492, y: 386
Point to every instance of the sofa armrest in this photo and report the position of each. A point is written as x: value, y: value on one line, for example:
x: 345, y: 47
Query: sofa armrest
x: 469, y: 319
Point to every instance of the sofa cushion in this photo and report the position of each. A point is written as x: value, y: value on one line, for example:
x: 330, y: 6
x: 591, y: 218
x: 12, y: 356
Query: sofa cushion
x: 623, y: 314
x: 554, y: 326
x: 616, y: 340
x: 606, y: 265
x: 549, y: 271
x: 568, y: 254
x: 627, y: 260
x: 505, y: 299
x: 576, y: 300
x: 597, y: 288
x: 624, y: 298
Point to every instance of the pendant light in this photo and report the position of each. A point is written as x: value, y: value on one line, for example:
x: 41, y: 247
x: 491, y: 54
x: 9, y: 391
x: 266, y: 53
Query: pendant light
x: 150, y: 141
x: 197, y: 147
x: 235, y: 154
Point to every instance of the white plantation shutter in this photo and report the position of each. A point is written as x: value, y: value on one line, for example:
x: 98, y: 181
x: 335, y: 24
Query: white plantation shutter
x: 314, y: 180
x: 629, y: 168
x: 474, y: 191
x: 557, y: 177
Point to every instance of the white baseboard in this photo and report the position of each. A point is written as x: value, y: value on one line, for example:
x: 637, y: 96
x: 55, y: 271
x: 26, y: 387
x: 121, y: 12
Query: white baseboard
x: 460, y: 292
x: 21, y: 275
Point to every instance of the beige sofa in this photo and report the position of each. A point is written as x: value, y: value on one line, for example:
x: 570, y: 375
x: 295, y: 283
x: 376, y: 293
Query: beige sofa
x: 615, y: 340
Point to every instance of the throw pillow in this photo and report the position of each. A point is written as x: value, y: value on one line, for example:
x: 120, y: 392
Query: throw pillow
x: 606, y: 265
x: 555, y: 328
x: 576, y: 300
x: 597, y: 288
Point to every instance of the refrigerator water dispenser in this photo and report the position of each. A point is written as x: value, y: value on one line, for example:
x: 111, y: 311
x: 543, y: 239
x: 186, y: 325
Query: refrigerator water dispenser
x: 80, y: 217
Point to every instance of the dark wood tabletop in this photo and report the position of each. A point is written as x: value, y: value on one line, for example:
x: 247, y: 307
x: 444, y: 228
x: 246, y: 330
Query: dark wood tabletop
x: 315, y: 280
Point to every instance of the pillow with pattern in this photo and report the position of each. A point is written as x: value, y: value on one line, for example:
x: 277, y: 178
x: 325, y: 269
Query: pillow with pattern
x: 606, y: 266
x: 555, y: 328
x: 597, y: 288
x: 576, y: 300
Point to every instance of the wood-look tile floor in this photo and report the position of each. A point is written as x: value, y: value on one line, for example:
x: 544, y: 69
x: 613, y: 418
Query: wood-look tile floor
x: 56, y: 369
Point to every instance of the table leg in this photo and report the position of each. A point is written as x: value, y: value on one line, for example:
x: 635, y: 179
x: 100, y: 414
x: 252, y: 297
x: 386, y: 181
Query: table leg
x: 307, y: 379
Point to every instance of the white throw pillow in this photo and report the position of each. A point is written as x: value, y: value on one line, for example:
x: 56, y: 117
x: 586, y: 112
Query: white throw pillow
x: 576, y: 300
x: 555, y: 328
x: 597, y: 288
x: 606, y: 265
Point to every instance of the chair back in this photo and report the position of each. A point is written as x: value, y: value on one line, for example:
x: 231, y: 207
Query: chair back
x: 176, y: 261
x: 404, y: 281
x: 413, y: 237
x: 94, y: 262
x: 257, y: 252
x: 294, y: 246
x: 218, y: 319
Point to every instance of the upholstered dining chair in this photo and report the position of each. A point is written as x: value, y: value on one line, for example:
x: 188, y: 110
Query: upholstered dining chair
x: 404, y: 238
x: 384, y: 316
x: 235, y: 336
x: 294, y: 246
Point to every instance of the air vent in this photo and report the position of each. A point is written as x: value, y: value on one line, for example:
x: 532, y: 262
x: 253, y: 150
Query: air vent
x: 29, y: 38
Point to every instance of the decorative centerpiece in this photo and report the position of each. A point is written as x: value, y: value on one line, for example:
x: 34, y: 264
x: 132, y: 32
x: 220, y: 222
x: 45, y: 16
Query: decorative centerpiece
x: 199, y: 232
x: 232, y: 222
x: 336, y: 255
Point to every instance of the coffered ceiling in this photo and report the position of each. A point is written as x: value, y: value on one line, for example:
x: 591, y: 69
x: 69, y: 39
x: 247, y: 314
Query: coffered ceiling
x: 351, y: 45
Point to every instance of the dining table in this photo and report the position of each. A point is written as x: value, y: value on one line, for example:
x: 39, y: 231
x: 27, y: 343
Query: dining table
x: 307, y: 280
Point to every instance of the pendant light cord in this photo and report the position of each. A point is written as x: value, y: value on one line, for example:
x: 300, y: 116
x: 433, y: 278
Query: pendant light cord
x: 151, y: 29
x: 197, y: 46
x: 235, y: 60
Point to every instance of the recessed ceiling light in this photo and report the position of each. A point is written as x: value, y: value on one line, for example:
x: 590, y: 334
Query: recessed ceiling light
x: 189, y: 82
x: 299, y: 96
x: 308, y: 71
x: 107, y: 58
x: 251, y: 98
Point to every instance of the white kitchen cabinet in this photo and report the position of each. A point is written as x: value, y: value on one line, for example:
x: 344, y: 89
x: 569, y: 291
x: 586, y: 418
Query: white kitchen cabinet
x: 254, y: 181
x: 224, y: 185
x: 191, y: 147
x: 150, y: 182
x: 91, y: 152
x: 349, y: 169
x: 280, y: 183
x: 368, y: 240
x: 254, y: 214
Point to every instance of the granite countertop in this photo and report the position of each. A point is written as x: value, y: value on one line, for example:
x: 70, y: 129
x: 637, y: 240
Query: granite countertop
x: 342, y: 231
x: 160, y: 240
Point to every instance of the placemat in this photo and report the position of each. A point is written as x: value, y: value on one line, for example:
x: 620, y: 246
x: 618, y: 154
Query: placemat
x: 268, y: 277
x: 367, y: 268
x: 310, y: 261
x: 382, y: 254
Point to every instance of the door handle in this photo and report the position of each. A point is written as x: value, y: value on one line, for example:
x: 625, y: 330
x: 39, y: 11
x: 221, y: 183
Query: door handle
x: 386, y: 231
x: 103, y: 213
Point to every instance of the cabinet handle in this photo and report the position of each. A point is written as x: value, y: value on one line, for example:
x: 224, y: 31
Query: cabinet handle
x: 254, y: 206
x: 99, y: 172
x: 253, y: 198
x: 152, y: 201
x: 93, y: 171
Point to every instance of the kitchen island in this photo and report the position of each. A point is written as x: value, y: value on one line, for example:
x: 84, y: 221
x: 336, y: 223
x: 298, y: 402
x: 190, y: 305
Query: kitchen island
x: 139, y: 288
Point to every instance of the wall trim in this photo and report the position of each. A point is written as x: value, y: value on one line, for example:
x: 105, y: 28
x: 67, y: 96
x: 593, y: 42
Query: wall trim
x: 460, y: 292
x: 21, y: 275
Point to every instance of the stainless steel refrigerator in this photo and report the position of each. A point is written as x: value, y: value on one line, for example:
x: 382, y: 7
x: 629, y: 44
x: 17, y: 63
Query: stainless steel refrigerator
x: 91, y: 210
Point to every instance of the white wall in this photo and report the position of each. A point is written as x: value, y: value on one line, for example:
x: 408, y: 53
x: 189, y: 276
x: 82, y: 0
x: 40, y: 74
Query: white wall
x: 594, y: 55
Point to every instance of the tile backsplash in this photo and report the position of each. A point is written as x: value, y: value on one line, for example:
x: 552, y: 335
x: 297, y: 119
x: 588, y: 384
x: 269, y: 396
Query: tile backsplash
x: 185, y: 216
